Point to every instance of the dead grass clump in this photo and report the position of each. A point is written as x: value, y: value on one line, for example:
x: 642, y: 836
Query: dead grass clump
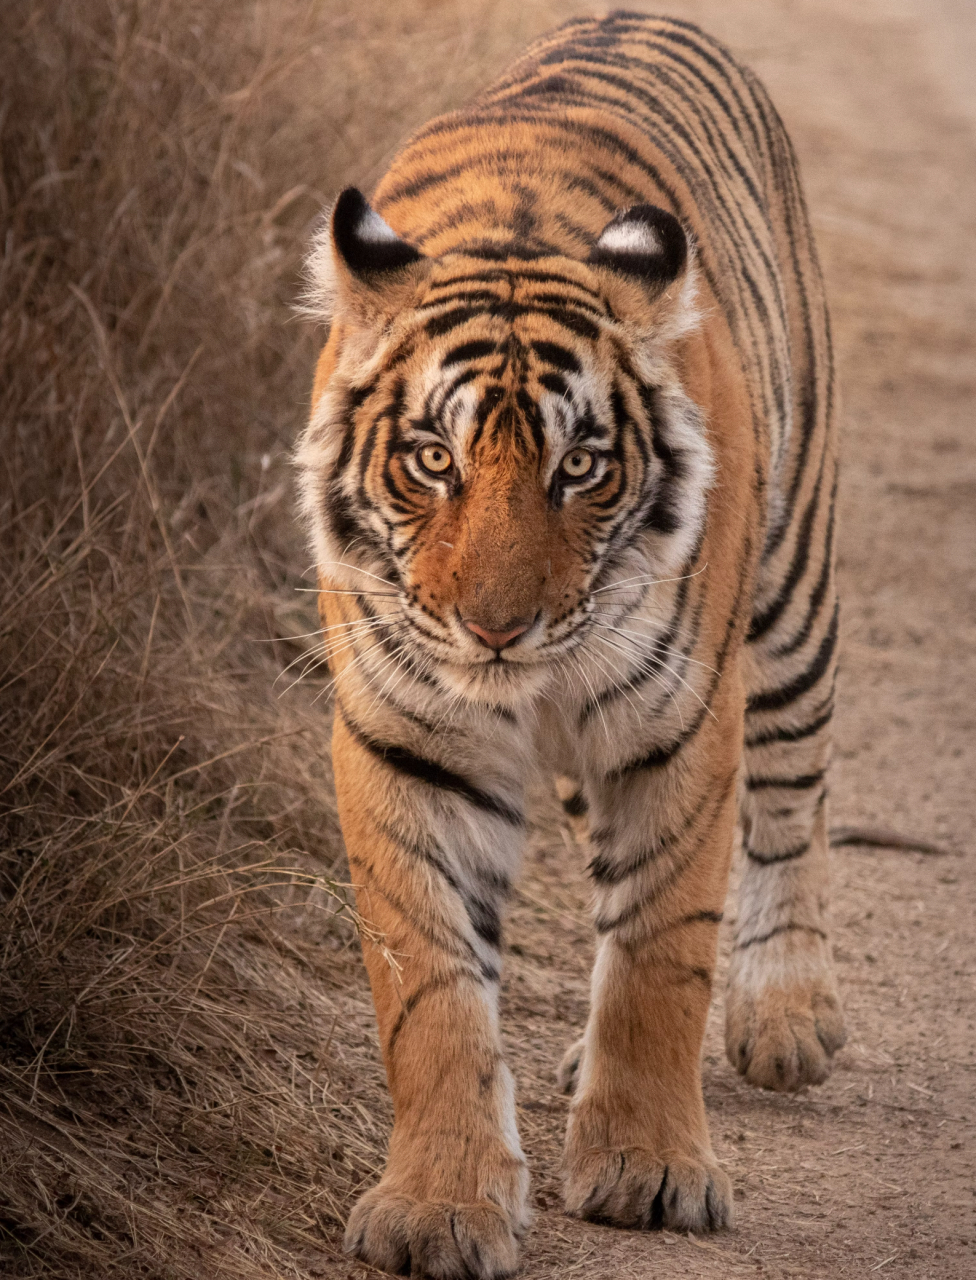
x: 169, y: 1101
x: 188, y: 1085
x: 182, y: 1078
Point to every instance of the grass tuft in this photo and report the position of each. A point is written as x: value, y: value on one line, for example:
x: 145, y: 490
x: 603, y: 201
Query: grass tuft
x: 188, y: 1084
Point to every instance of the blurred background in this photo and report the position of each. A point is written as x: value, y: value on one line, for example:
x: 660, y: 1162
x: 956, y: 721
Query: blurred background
x: 189, y: 1081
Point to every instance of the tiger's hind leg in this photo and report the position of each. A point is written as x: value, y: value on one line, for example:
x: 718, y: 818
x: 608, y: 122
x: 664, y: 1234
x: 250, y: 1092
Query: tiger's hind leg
x: 783, y: 1015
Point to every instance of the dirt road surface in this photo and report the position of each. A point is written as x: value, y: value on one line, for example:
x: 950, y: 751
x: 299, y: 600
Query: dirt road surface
x: 875, y: 1172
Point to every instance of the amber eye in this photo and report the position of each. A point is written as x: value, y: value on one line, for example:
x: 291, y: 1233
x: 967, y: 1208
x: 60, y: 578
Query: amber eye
x: 434, y: 458
x: 577, y: 463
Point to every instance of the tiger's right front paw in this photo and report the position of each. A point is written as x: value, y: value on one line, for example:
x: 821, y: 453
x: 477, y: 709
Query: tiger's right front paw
x: 406, y: 1236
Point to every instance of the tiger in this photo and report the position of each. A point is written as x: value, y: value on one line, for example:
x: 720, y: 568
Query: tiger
x: 569, y: 479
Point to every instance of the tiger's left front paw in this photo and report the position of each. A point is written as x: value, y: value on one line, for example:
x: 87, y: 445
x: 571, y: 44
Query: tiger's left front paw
x: 635, y: 1187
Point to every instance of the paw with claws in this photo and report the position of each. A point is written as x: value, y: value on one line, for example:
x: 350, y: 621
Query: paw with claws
x: 784, y: 1039
x: 783, y: 1018
x: 635, y: 1166
x: 407, y: 1236
x: 447, y: 1207
x: 634, y: 1187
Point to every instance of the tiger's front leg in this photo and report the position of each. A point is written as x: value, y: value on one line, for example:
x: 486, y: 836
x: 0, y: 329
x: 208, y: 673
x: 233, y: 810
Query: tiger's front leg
x: 638, y: 1152
x: 452, y: 1200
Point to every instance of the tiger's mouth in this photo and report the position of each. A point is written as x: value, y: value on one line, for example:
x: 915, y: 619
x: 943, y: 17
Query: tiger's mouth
x: 509, y: 676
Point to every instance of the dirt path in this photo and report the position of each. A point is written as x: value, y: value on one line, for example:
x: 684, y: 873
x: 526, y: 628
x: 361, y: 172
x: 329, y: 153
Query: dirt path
x: 874, y: 1173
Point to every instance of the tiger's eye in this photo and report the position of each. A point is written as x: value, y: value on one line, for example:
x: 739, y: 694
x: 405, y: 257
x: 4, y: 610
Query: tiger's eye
x: 435, y: 458
x: 577, y: 463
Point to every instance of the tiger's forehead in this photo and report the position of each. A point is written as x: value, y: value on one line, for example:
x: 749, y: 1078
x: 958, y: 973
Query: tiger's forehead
x: 502, y: 355
x: 485, y: 326
x: 514, y: 289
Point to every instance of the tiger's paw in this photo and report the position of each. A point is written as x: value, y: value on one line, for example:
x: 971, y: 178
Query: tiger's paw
x: 406, y: 1236
x: 568, y: 1073
x: 784, y: 1037
x: 635, y: 1187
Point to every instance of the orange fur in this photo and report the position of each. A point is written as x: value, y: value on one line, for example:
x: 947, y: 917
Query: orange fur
x: 630, y: 506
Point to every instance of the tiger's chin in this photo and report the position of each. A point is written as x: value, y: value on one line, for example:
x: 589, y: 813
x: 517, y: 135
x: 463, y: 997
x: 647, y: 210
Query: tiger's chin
x: 499, y: 682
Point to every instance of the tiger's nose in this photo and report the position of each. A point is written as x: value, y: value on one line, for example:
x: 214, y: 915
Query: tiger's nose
x: 498, y: 639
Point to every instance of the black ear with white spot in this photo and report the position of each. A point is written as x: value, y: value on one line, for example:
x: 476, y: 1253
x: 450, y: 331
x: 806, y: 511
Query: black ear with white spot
x: 644, y: 242
x: 366, y: 244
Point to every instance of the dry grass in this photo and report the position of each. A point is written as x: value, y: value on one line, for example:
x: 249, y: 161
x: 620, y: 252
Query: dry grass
x: 188, y: 1077
x: 175, y: 1097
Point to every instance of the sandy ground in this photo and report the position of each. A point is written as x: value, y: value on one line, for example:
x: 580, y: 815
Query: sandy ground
x: 875, y: 1172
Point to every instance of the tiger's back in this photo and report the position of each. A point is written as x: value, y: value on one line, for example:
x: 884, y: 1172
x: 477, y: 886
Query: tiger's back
x: 577, y: 408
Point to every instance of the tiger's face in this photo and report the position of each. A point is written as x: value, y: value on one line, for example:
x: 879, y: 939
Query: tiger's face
x: 499, y: 440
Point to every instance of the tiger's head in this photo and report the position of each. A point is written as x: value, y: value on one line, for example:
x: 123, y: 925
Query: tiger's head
x: 500, y: 437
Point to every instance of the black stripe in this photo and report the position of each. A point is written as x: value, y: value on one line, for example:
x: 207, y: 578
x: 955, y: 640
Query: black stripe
x: 798, y: 227
x: 554, y: 382
x: 345, y: 523
x: 712, y: 917
x: 714, y: 193
x: 802, y: 783
x: 454, y: 944
x: 764, y: 621
x: 435, y: 775
x: 603, y: 925
x: 554, y: 277
x: 423, y: 183
x: 428, y: 988
x: 485, y: 920
x: 608, y: 871
x: 698, y: 46
x: 558, y: 356
x: 432, y: 855
x: 659, y: 756
x: 664, y: 515
x: 696, y: 917
x: 561, y: 300
x: 783, y: 928
x: 439, y: 325
x: 531, y: 415
x: 784, y: 733
x: 769, y: 859
x: 567, y: 319
x: 468, y: 351
x: 819, y: 592
x: 773, y: 699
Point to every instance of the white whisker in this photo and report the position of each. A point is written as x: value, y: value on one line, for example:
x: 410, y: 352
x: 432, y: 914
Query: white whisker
x: 332, y: 648
x: 655, y: 641
x: 651, y: 675
x: 616, y: 684
x: 341, y: 564
x: 593, y: 696
x: 640, y: 580
x: 330, y: 591
x: 361, y: 625
x: 694, y: 692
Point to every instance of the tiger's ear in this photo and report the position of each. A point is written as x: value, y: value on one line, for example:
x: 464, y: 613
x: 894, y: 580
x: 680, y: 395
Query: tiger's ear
x: 643, y: 256
x: 359, y: 267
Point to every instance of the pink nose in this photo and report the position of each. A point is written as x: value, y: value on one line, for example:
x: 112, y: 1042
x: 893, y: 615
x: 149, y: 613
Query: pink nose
x: 497, y: 639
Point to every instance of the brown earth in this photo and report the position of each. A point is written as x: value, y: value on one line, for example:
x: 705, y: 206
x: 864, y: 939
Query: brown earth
x: 246, y: 1060
x: 874, y: 1172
